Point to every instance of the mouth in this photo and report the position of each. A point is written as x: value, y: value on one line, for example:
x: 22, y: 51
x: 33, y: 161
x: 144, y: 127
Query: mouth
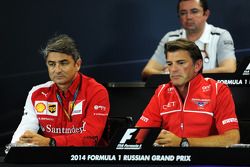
x: 59, y: 77
x: 175, y: 76
x: 190, y: 23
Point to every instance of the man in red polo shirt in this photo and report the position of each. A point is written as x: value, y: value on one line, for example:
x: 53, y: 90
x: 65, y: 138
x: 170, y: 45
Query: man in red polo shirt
x: 69, y: 110
x: 192, y: 110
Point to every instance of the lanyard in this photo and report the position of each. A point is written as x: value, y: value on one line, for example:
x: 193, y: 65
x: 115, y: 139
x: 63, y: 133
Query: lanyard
x: 71, y: 107
x: 206, y: 58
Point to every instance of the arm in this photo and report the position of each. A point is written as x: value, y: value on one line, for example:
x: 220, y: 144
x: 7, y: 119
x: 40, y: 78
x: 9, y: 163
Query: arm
x: 168, y: 139
x: 226, y: 66
x: 225, y: 55
x: 152, y: 67
x: 34, y: 139
x: 29, y: 120
x: 226, y: 139
x: 157, y: 63
x: 151, y: 115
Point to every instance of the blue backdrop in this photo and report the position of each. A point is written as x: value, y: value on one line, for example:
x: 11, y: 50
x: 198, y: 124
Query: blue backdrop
x: 115, y: 37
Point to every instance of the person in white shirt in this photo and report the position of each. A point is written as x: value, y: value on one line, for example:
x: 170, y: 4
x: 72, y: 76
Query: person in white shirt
x: 216, y: 44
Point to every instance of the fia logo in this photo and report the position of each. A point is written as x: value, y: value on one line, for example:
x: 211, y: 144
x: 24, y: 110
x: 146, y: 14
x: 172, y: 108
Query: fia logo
x: 128, y: 140
x: 127, y: 135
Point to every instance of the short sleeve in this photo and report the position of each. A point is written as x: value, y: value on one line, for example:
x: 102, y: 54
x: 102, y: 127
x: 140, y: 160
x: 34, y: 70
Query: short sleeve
x: 151, y: 116
x: 225, y: 48
x: 159, y: 54
x: 224, y: 113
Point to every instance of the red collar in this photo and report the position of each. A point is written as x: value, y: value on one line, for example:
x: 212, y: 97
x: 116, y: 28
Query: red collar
x: 195, y: 81
x: 72, y: 87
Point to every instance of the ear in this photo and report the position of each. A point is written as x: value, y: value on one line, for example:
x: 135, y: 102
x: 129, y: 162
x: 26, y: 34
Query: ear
x: 198, y: 65
x: 207, y: 14
x: 78, y: 64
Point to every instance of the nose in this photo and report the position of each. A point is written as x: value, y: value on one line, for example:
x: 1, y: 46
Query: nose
x: 189, y: 15
x: 57, y: 68
x: 173, y: 67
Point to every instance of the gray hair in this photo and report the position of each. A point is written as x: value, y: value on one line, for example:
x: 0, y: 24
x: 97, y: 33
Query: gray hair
x: 62, y: 44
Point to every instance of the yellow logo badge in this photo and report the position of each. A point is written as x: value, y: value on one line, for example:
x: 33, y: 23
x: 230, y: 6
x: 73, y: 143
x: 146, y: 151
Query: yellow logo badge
x: 40, y: 107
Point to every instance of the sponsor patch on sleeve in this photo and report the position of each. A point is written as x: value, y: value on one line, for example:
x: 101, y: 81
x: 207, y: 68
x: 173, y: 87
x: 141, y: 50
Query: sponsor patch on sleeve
x: 229, y: 120
x: 228, y: 42
x: 144, y: 119
x: 100, y: 110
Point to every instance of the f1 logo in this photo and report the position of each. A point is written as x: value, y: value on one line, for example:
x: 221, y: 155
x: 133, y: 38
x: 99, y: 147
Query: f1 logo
x: 129, y: 141
x: 127, y: 135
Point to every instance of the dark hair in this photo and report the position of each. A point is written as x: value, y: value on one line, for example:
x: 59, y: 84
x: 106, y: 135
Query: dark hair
x: 62, y: 44
x: 203, y: 4
x: 183, y: 44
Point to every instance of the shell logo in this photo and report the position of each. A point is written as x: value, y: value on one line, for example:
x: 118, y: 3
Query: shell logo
x: 40, y: 107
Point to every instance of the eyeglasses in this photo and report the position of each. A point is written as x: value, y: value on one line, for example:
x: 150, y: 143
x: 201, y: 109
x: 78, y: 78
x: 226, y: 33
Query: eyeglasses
x: 193, y: 12
x: 206, y: 57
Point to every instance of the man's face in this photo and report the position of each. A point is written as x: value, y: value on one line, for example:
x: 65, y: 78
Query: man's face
x: 62, y: 68
x: 192, y: 16
x: 181, y: 67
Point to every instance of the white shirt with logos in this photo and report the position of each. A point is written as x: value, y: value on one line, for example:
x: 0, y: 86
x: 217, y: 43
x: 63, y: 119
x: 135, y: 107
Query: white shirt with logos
x: 218, y: 41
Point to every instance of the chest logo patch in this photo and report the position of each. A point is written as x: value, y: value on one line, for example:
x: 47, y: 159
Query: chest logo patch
x: 40, y: 107
x: 77, y: 108
x: 206, y: 88
x: 201, y: 103
x: 52, y: 108
x: 169, y: 105
x: 46, y: 108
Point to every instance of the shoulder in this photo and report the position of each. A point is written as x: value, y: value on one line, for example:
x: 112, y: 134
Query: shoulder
x: 175, y: 33
x: 91, y: 84
x: 162, y: 88
x: 218, y: 31
x: 172, y: 35
x: 218, y: 86
x: 43, y: 86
